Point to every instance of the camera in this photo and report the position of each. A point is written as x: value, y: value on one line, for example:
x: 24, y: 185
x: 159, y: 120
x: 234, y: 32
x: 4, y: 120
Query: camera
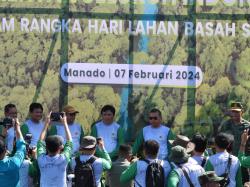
x: 55, y: 116
x: 27, y: 139
x: 7, y: 122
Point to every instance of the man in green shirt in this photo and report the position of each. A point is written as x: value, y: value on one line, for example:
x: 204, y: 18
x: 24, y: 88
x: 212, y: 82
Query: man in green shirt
x: 183, y: 172
x: 236, y: 126
x: 155, y: 130
x: 53, y: 164
x: 111, y: 132
x: 137, y: 171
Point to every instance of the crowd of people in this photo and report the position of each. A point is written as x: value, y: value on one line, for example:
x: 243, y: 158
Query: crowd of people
x: 57, y: 153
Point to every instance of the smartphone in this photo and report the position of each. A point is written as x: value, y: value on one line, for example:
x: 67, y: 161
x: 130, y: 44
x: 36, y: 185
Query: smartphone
x: 55, y: 116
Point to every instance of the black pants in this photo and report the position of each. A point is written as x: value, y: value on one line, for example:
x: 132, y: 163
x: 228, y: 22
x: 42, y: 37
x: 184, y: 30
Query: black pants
x: 245, y: 174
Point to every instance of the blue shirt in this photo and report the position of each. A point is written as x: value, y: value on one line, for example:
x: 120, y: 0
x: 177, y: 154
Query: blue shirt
x: 9, y: 166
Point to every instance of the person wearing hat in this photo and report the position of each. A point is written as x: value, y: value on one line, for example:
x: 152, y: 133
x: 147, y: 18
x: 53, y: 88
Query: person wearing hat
x: 183, y: 141
x: 87, y: 151
x: 76, y: 129
x: 155, y: 130
x: 53, y: 157
x: 210, y: 179
x: 110, y: 131
x: 184, y: 173
x: 235, y: 125
x: 224, y: 163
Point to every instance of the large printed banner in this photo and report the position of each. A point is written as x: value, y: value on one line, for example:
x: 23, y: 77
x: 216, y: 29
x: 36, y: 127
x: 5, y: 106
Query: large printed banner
x: 190, y: 59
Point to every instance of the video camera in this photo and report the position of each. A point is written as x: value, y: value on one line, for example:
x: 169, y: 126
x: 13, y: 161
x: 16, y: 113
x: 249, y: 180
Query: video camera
x: 29, y: 148
x: 7, y: 122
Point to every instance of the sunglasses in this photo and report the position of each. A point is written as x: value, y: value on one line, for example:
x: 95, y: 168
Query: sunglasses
x: 153, y: 118
x: 72, y: 114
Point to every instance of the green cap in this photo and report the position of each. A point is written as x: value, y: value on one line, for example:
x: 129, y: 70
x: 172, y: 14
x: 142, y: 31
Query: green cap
x: 236, y: 106
x: 209, y: 176
x: 178, y: 155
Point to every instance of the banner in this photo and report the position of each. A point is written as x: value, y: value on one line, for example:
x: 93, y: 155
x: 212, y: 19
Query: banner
x: 189, y: 59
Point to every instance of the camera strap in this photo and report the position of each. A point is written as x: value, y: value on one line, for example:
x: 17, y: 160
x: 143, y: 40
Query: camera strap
x: 229, y: 164
x: 187, y: 177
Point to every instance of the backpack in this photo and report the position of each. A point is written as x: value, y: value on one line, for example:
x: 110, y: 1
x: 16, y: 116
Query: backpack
x: 226, y: 179
x: 154, y: 174
x: 84, y: 174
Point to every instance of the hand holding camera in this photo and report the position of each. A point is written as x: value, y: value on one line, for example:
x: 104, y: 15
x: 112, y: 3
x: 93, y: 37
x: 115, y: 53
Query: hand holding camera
x: 100, y: 142
x: 56, y: 116
x: 7, y: 122
x: 63, y: 118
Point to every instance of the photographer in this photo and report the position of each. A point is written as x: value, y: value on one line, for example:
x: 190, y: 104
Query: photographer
x: 9, y: 166
x: 76, y: 129
x: 53, y: 157
x: 6, y: 128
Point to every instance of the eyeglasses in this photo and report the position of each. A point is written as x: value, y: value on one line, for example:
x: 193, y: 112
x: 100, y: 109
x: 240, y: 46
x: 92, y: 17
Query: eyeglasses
x: 151, y: 118
x: 107, y: 114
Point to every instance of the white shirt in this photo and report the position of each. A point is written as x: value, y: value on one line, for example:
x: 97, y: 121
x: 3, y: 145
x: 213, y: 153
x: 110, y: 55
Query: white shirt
x: 109, y: 133
x: 10, y: 138
x: 25, y: 179
x: 141, y: 171
x: 197, y: 159
x: 75, y: 130
x: 159, y: 134
x: 35, y: 129
x: 193, y: 171
x: 219, y: 162
x: 53, y: 170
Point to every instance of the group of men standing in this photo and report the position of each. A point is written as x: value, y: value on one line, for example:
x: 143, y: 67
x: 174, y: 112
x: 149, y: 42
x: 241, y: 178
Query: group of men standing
x: 183, y: 161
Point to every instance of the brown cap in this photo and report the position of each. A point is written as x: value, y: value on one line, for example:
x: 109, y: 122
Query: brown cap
x: 70, y: 109
x: 183, y: 141
x: 88, y: 142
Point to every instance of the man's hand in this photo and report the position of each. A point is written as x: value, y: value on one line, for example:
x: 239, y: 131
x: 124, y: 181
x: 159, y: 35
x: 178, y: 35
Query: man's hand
x: 244, y: 137
x: 100, y: 143
x: 64, y: 119
x: 4, y: 131
x: 17, y: 129
x: 66, y: 127
x: 33, y: 153
x: 45, y: 128
x: 47, y: 120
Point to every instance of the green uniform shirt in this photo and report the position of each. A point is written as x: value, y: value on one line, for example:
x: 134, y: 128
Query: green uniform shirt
x: 238, y: 177
x: 236, y: 130
x: 140, y: 139
x: 120, y: 140
x: 244, y: 160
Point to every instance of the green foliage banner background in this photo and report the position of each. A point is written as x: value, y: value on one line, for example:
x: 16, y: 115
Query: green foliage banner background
x: 30, y: 64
